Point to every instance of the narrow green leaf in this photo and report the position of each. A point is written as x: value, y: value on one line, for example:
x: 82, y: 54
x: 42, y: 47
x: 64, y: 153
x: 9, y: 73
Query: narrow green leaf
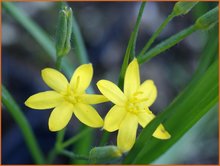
x: 78, y: 43
x: 196, y: 100
x: 16, y: 113
x: 130, y: 51
x: 37, y: 33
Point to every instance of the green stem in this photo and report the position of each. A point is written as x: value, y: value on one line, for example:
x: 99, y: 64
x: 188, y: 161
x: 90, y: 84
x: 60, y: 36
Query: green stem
x: 73, y: 155
x: 22, y: 122
x: 52, y: 155
x: 59, y: 63
x: 57, y: 148
x: 78, y: 43
x: 36, y: 32
x: 130, y: 51
x: 75, y: 138
x: 168, y: 43
x: 136, y: 28
x: 157, y: 33
x: 104, y: 139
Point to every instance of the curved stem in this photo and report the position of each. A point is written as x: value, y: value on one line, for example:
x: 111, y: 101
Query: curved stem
x: 130, y: 51
x: 168, y: 43
x: 136, y: 28
x: 75, y: 138
x: 16, y: 113
x: 156, y: 33
x: 73, y: 155
x: 59, y: 63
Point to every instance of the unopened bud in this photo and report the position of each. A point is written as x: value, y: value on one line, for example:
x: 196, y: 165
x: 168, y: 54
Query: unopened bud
x: 104, y: 154
x: 64, y: 31
x: 181, y: 8
x: 208, y: 20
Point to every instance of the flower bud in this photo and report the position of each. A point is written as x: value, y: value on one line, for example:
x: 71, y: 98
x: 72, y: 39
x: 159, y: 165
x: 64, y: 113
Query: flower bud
x: 207, y: 20
x: 104, y: 154
x: 64, y: 31
x: 183, y: 7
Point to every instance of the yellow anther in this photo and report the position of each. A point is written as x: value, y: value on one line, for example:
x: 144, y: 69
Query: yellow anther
x: 138, y: 93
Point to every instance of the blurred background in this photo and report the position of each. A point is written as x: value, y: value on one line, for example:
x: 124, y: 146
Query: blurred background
x: 105, y: 28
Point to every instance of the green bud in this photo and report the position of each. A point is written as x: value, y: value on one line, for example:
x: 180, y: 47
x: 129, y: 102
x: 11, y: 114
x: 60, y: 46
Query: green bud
x: 104, y: 154
x: 208, y: 20
x: 183, y: 7
x: 64, y: 31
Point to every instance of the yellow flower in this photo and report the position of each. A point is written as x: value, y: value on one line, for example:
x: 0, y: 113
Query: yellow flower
x: 68, y: 98
x: 131, y: 107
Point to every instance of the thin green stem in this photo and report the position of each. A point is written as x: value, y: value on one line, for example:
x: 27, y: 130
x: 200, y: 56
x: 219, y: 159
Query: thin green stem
x: 130, y: 51
x: 58, y: 146
x: 52, y: 155
x: 37, y: 33
x: 16, y: 113
x: 156, y: 33
x: 104, y: 138
x: 168, y: 43
x: 59, y: 63
x: 73, y: 155
x: 75, y: 138
x: 78, y: 43
x: 136, y: 29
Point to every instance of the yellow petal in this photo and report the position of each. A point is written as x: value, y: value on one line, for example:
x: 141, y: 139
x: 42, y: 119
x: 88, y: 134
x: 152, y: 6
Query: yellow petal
x: 82, y: 77
x: 114, y: 117
x: 112, y: 92
x: 132, y: 78
x: 60, y: 116
x: 145, y: 117
x: 127, y: 132
x: 44, y: 100
x: 88, y: 115
x: 93, y: 99
x: 54, y: 79
x: 161, y: 133
x: 149, y: 91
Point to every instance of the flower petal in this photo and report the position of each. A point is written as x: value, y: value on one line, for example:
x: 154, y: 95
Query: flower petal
x: 127, y: 132
x: 54, y: 79
x: 132, y: 78
x: 112, y: 92
x: 161, y: 133
x: 82, y: 77
x: 93, y: 99
x: 114, y: 117
x: 145, y: 117
x: 149, y: 91
x: 88, y: 115
x: 44, y: 100
x: 60, y: 116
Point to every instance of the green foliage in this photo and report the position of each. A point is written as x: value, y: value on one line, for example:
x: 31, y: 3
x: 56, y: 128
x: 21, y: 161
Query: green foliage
x: 187, y: 108
x: 14, y: 110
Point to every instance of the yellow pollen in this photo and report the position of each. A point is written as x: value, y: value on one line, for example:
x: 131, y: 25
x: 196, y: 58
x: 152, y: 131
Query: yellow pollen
x: 136, y: 105
x: 71, y: 96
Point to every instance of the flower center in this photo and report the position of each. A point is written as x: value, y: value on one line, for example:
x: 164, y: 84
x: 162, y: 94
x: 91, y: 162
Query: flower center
x: 136, y: 103
x: 71, y: 95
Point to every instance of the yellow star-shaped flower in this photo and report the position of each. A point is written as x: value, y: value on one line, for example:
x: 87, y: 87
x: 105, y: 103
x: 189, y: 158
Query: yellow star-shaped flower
x: 68, y: 98
x: 131, y: 107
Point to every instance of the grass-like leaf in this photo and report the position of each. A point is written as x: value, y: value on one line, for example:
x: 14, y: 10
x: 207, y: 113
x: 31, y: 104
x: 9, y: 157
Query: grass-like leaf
x: 37, y: 33
x: 20, y: 119
x: 196, y: 100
